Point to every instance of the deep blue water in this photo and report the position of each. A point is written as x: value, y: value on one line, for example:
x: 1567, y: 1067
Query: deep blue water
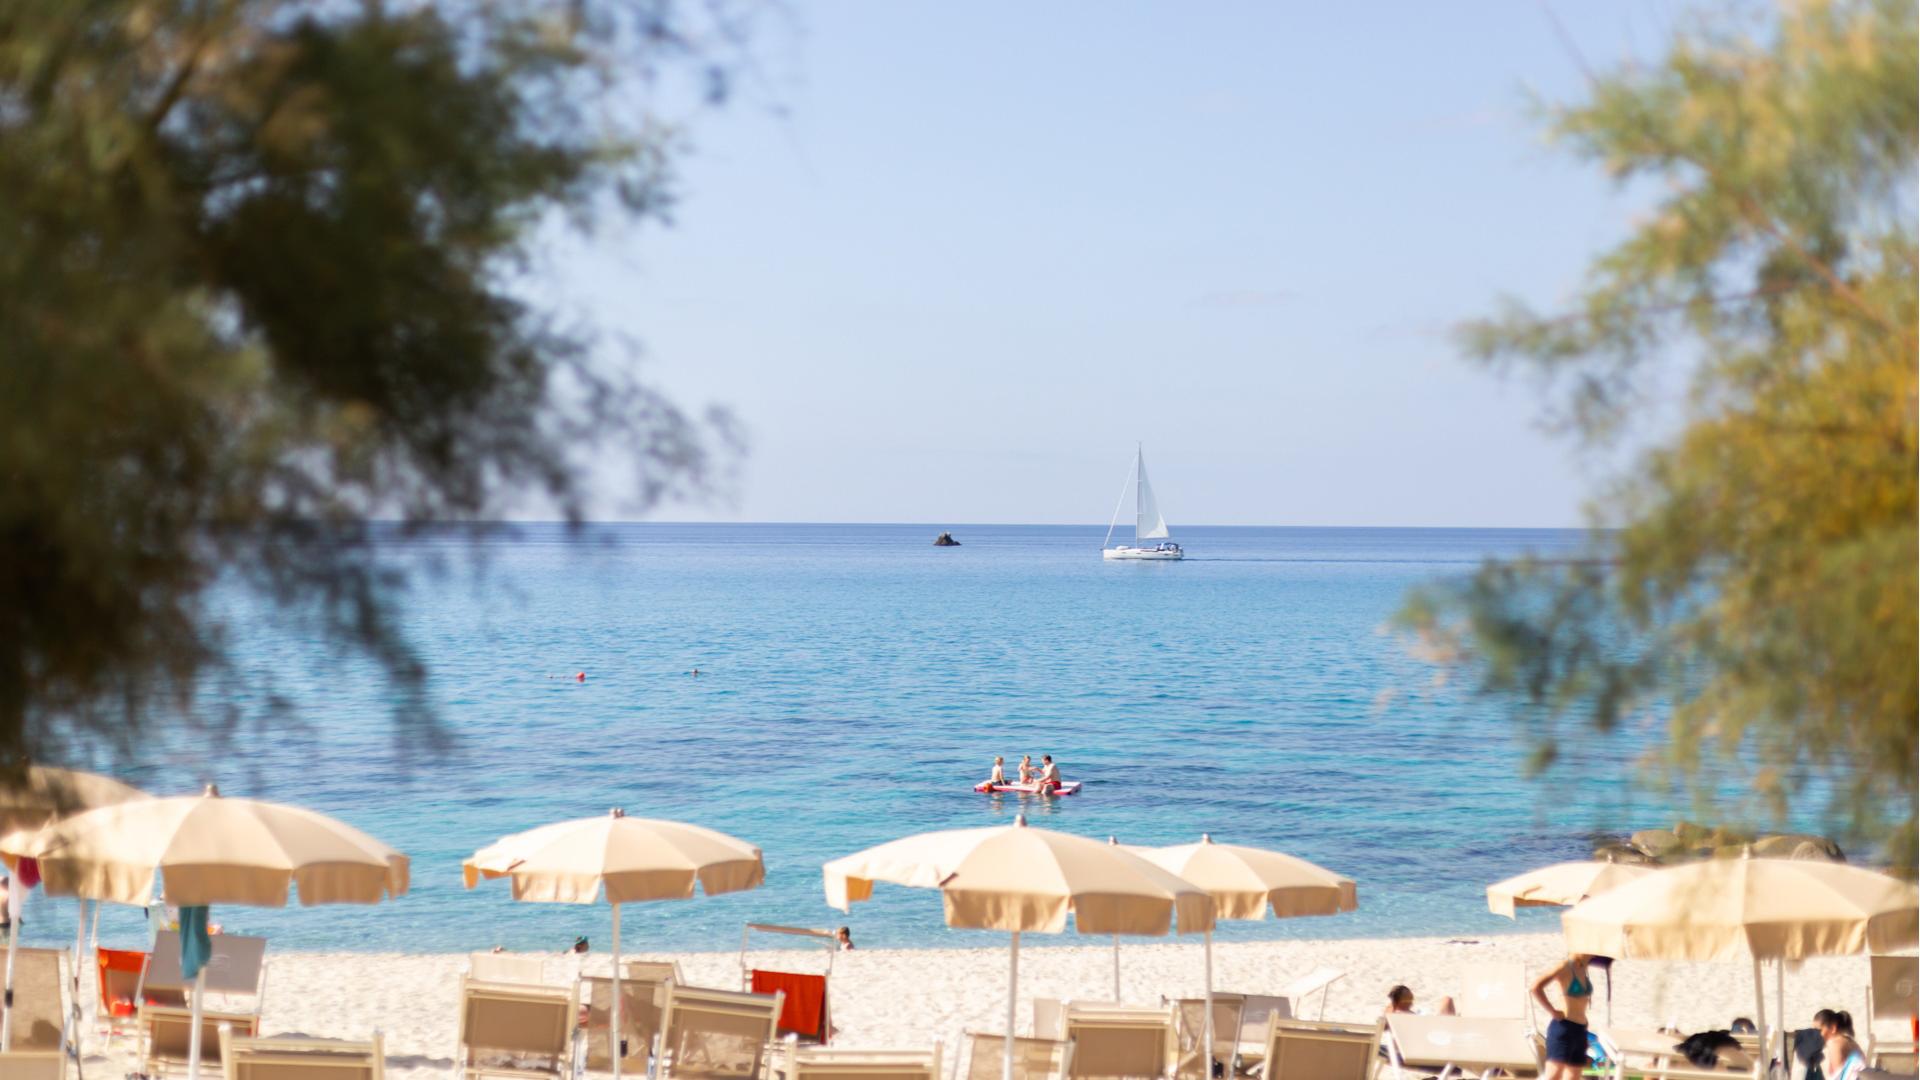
x: 856, y: 681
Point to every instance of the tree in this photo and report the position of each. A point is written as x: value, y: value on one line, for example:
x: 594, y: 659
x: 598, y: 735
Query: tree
x: 257, y: 293
x: 1753, y: 579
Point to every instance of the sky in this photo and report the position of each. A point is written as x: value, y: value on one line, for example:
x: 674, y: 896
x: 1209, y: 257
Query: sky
x: 949, y: 263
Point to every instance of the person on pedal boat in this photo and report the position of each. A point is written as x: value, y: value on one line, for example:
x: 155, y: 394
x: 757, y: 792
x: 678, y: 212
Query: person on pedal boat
x: 999, y: 775
x: 1027, y: 771
x: 1049, y: 774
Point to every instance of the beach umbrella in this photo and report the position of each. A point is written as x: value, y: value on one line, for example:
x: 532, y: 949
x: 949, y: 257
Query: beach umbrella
x: 35, y: 797
x: 1024, y: 880
x: 209, y: 850
x: 1560, y: 885
x: 1247, y: 883
x: 43, y: 793
x: 625, y: 860
x: 1748, y: 909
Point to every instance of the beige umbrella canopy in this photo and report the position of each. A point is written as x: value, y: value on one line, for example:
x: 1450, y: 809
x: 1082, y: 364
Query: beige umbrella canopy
x: 1245, y: 883
x: 43, y: 793
x: 211, y: 851
x: 1560, y: 885
x: 1747, y: 908
x: 626, y: 859
x: 573, y: 862
x: 1025, y: 880
x: 1736, y: 909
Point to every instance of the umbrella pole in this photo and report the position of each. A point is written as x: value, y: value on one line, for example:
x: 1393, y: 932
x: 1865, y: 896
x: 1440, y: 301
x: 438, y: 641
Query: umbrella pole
x: 1116, y: 969
x: 615, y: 1042
x: 1013, y: 996
x: 79, y: 945
x: 1759, y: 1000
x: 16, y: 909
x: 1780, y: 1003
x: 193, y: 1036
x: 1207, y: 1026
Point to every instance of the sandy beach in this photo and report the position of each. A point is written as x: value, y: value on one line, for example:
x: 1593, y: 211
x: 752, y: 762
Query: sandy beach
x: 908, y: 998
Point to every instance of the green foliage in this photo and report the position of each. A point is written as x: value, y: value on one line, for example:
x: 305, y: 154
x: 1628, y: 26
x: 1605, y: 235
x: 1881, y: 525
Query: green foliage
x: 1753, y: 580
x: 257, y: 269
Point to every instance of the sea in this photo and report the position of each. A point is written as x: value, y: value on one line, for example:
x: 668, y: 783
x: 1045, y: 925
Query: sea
x: 854, y: 682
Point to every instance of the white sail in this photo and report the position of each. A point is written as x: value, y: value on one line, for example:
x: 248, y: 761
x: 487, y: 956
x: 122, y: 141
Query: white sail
x: 1147, y: 522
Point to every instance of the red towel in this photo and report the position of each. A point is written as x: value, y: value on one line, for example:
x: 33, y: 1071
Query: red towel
x: 28, y: 872
x: 805, y: 1004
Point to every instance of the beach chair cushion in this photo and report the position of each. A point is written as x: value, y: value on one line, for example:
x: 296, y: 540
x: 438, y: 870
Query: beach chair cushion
x: 515, y: 1028
x: 1033, y: 1059
x: 717, y: 1033
x: 1311, y: 1050
x: 281, y: 1058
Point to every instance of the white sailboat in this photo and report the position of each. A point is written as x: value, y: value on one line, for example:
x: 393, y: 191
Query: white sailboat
x: 1148, y: 524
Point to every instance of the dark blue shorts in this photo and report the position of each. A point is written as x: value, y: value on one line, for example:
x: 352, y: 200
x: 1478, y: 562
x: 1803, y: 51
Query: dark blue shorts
x: 1567, y: 1042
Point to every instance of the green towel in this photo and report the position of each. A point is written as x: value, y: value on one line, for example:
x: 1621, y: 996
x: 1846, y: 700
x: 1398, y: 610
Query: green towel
x: 196, y: 947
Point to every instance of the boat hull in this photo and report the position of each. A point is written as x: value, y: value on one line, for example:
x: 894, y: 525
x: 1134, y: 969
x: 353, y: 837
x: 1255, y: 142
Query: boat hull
x: 1027, y: 789
x: 1142, y: 554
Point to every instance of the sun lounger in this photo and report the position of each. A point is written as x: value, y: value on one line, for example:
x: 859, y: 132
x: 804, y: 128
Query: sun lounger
x: 715, y: 1034
x: 515, y: 1030
x: 282, y: 1058
x: 1493, y: 991
x: 1189, y: 1027
x: 1892, y: 1003
x: 491, y: 967
x: 818, y: 1063
x: 1318, y: 981
x: 120, y: 972
x: 1313, y: 1050
x: 166, y: 1033
x: 39, y: 1016
x: 32, y: 1064
x: 1462, y: 1043
x: 1033, y: 1059
x: 1049, y: 1018
x: 1255, y: 1012
x: 1641, y: 1051
x: 1113, y: 1041
x: 237, y: 967
x: 639, y: 1016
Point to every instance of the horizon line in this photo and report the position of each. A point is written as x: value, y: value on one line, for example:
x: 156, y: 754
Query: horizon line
x: 969, y: 524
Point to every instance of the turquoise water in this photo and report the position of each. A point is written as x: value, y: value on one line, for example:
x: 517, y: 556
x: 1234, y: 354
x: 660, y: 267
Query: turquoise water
x: 856, y: 681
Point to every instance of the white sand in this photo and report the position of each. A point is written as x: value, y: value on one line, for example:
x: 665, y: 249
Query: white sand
x: 907, y: 998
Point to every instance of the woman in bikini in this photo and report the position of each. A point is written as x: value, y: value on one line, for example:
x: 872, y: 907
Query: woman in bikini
x: 1027, y: 771
x: 1567, y: 1035
x: 1843, y: 1059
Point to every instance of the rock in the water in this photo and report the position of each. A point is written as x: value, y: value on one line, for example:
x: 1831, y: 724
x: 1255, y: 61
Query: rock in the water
x: 1621, y: 853
x: 1798, y: 846
x: 945, y: 539
x: 1655, y: 843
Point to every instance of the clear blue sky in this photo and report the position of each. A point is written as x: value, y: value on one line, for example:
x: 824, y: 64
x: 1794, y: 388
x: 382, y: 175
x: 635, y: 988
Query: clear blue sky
x: 948, y: 262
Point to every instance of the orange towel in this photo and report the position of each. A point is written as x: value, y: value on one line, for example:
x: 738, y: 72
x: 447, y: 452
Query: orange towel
x: 806, y: 1002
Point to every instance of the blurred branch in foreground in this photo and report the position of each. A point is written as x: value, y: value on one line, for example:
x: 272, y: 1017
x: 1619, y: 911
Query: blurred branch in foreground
x: 1756, y: 583
x: 256, y: 292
